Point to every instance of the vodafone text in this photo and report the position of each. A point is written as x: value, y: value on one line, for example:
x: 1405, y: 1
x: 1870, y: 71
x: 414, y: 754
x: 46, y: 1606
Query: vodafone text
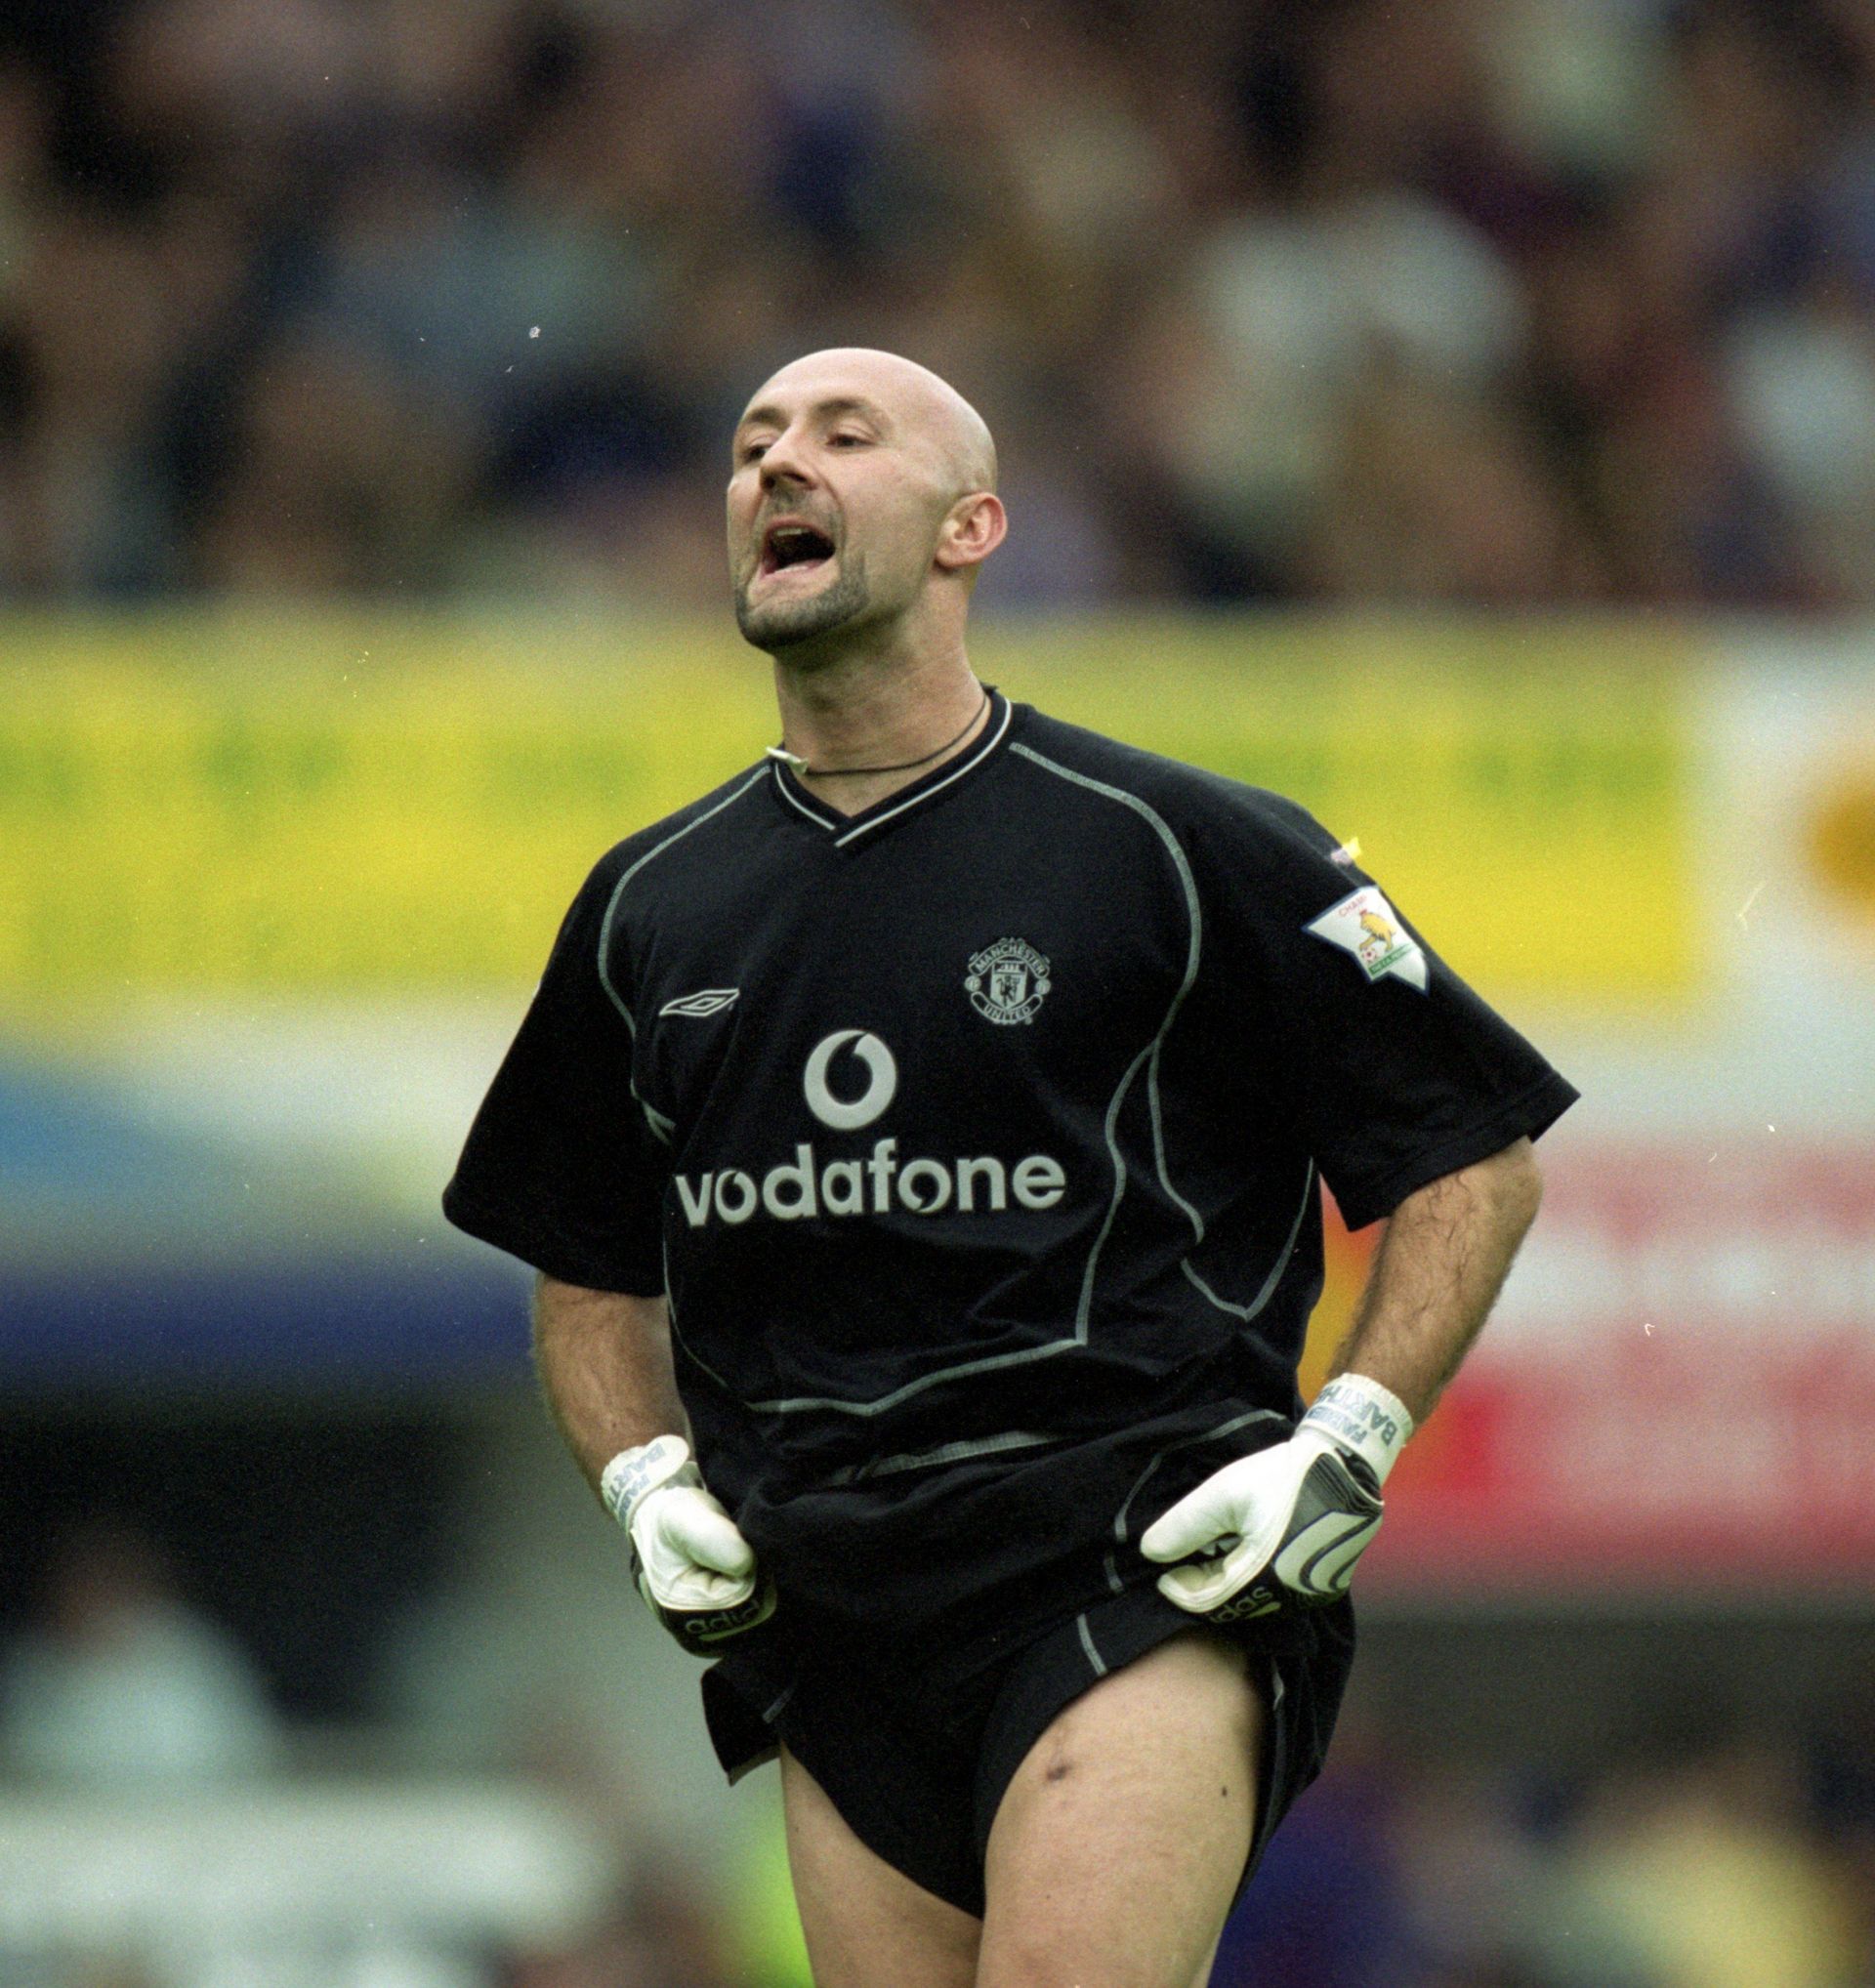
x: 876, y: 1186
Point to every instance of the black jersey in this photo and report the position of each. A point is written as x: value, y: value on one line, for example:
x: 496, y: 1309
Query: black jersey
x: 977, y: 1139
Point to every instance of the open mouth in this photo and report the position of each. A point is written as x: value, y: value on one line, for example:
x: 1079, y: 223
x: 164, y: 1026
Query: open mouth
x: 793, y: 545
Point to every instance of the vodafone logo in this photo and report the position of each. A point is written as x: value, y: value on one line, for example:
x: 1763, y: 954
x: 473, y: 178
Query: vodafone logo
x: 806, y: 1188
x: 849, y: 1114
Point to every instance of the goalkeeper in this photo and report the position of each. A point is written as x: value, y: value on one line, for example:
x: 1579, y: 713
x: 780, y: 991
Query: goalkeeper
x: 920, y: 1141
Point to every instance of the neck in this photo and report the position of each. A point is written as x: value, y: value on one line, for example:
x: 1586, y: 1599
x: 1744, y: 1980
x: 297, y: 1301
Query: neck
x: 877, y: 712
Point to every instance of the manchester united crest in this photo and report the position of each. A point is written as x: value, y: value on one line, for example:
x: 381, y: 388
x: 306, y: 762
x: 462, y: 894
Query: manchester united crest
x: 1007, y: 981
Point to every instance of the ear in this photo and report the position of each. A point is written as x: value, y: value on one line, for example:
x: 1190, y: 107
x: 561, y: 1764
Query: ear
x: 974, y: 529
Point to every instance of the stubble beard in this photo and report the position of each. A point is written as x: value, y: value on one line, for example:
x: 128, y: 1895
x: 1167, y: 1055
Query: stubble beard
x: 780, y: 625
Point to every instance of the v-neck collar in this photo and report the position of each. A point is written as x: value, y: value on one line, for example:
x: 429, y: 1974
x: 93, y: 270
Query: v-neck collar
x: 849, y: 828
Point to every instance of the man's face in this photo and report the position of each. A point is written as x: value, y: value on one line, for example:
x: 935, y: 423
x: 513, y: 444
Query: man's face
x: 837, y: 495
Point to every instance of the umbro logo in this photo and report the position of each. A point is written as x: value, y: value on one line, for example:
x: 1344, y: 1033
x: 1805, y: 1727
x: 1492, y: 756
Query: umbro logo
x: 705, y: 1001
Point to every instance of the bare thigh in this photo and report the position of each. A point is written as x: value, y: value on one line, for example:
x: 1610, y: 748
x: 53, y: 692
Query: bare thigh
x: 1121, y: 1839
x: 868, y: 1925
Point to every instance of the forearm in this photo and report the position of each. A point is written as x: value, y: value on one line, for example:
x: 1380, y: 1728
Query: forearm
x: 1438, y: 1272
x: 604, y: 1365
x: 1286, y: 1524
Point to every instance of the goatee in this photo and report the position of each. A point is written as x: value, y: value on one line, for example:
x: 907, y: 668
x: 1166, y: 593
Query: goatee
x: 782, y: 624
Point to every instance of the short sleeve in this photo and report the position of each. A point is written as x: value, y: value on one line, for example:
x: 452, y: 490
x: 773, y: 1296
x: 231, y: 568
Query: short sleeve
x: 560, y: 1167
x: 1394, y: 1070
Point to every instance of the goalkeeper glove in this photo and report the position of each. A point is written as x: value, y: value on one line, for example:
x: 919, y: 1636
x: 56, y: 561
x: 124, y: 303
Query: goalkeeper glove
x: 1288, y: 1524
x: 693, y: 1568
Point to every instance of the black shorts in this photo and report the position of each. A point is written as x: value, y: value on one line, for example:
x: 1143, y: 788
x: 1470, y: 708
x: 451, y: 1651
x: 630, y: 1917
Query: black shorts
x: 915, y: 1750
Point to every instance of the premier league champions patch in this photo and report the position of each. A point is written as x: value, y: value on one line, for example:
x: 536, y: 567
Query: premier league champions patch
x: 1007, y: 980
x: 1365, y: 925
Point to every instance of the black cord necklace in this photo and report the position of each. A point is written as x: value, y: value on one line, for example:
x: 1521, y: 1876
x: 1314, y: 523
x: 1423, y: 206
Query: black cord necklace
x: 801, y: 766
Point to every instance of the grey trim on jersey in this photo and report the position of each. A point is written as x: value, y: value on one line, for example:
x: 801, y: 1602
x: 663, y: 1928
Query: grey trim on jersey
x: 618, y: 890
x: 1083, y: 1311
x: 1150, y: 1053
x: 1231, y: 1428
x: 945, y: 1453
x: 1158, y: 1151
x: 794, y: 799
x: 660, y: 1126
x: 1243, y: 1312
x: 1094, y: 1656
x: 971, y: 757
x: 800, y: 1402
x: 1246, y: 1312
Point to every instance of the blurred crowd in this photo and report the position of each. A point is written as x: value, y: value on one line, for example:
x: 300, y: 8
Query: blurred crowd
x: 1691, y: 1853
x: 1463, y: 301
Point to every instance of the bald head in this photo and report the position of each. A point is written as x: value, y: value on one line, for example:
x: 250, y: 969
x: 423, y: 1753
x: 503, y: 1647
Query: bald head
x: 862, y: 499
x: 913, y: 397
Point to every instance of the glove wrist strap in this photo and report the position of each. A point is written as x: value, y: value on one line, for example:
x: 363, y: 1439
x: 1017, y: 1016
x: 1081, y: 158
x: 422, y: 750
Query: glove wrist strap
x: 1361, y: 1416
x: 634, y: 1474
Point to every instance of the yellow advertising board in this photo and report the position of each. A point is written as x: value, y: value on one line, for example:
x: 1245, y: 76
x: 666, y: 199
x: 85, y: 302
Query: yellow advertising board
x: 1520, y: 789
x: 393, y: 804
